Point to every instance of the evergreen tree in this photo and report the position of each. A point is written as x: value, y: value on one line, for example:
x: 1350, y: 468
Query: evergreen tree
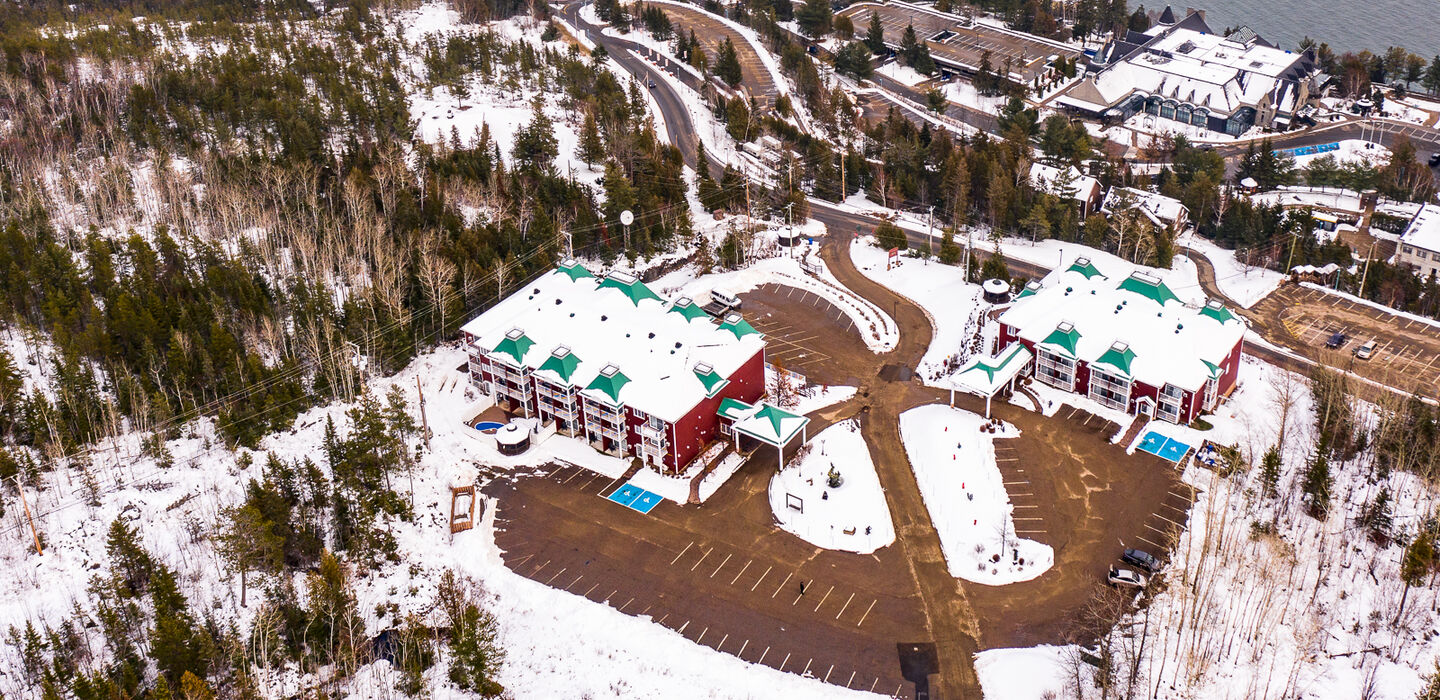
x: 727, y: 64
x: 950, y: 251
x: 1270, y: 471
x: 875, y: 36
x: 248, y: 540
x: 935, y: 99
x: 853, y: 59
x: 1377, y: 518
x: 924, y: 64
x: 535, y: 145
x: 476, y: 655
x: 591, y: 149
x: 1431, y: 81
x: 784, y: 10
x: 909, y: 46
x: 1317, y: 484
x: 702, y: 162
x: 889, y: 236
x: 814, y: 17
x: 1418, y: 562
x: 737, y: 120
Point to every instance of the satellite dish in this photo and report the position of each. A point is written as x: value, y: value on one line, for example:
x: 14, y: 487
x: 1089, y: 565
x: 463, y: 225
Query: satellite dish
x: 627, y: 218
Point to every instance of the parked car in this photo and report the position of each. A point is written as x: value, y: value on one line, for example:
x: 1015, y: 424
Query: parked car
x: 1366, y: 351
x: 652, y: 84
x: 1435, y: 159
x: 1126, y: 578
x: 1336, y: 341
x: 1141, y: 559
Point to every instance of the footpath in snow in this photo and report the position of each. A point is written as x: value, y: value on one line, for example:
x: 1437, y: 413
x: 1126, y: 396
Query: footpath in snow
x: 954, y: 464
x: 851, y: 517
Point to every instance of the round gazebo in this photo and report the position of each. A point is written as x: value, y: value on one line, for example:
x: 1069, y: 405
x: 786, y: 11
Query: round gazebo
x: 513, y: 439
x: 997, y: 291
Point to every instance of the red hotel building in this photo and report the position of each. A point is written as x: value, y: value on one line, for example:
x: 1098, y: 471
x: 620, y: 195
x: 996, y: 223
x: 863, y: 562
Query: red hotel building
x: 609, y: 361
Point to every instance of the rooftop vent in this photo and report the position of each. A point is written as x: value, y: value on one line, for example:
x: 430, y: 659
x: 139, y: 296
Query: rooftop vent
x: 1120, y: 346
x: 624, y: 277
x: 609, y: 371
x: 515, y: 334
x: 560, y: 351
x: 1065, y: 327
x: 703, y: 368
x: 684, y: 301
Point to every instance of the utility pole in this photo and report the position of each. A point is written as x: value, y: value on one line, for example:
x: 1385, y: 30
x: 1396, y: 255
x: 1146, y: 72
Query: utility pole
x: 790, y: 224
x: 424, y: 423
x: 1366, y: 273
x: 968, y: 239
x: 21, y: 488
x: 843, y: 153
x: 1290, y: 264
x: 930, y: 237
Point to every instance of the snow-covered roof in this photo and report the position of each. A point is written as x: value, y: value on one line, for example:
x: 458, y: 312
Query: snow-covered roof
x: 616, y: 339
x: 770, y: 424
x: 1135, y: 325
x: 1161, y: 210
x: 984, y: 375
x: 1424, y: 229
x: 1049, y: 179
x: 1189, y: 65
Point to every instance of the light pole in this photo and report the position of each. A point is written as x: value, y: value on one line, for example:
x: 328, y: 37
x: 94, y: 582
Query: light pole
x: 626, y: 218
x: 930, y: 236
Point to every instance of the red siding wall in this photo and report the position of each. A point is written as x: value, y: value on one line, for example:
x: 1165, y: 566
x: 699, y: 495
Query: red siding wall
x: 701, y: 425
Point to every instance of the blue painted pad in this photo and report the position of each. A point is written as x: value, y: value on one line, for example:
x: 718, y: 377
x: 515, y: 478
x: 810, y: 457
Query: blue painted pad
x: 489, y: 425
x: 646, y: 502
x: 1152, y: 443
x: 1174, y: 450
x: 625, y: 495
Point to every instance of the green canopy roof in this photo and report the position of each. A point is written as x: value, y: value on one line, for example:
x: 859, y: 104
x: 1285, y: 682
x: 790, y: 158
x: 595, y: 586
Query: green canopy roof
x: 1214, y: 369
x: 632, y: 287
x: 1217, y: 311
x: 768, y: 425
x: 733, y: 408
x: 1119, y: 358
x: 1084, y: 267
x: 1065, y: 337
x: 738, y: 325
x: 1029, y: 290
x: 574, y: 269
x: 713, y: 382
x: 1155, y: 291
x: 687, y: 308
x: 562, y: 362
x: 609, y: 381
x: 515, y: 344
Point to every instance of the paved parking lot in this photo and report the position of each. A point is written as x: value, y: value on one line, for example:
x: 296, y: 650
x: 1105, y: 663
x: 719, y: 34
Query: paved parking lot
x: 807, y: 334
x: 712, y: 32
x: 1407, y: 350
x: 952, y: 42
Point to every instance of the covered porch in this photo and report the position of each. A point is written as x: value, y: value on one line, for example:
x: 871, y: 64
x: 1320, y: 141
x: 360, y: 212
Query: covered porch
x: 985, y: 375
x: 762, y: 422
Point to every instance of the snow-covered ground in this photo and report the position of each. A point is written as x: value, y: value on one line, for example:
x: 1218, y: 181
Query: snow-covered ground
x: 901, y: 73
x: 961, y: 91
x: 955, y: 467
x: 953, y: 306
x: 1300, y: 196
x: 853, y: 517
x: 1030, y: 673
x: 1350, y: 151
x: 1245, y: 285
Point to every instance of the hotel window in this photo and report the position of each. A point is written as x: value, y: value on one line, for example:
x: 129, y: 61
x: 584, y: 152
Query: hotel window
x: 1167, y: 110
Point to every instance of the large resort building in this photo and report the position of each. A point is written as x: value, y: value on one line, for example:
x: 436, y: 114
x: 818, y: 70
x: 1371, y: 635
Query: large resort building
x: 1129, y: 344
x: 609, y: 361
x: 1182, y: 71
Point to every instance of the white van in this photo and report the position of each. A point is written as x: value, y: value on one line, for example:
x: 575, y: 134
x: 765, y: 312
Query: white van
x: 1365, y: 351
x: 729, y: 301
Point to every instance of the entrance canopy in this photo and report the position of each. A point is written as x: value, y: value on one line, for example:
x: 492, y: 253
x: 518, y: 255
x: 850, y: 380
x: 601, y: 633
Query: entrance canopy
x: 985, y: 376
x: 769, y: 424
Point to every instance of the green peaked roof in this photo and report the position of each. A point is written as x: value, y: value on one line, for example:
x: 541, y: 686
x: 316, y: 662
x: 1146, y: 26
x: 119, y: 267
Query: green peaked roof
x: 1029, y: 290
x: 1084, y: 267
x: 733, y: 408
x: 687, y: 308
x: 775, y: 415
x: 515, y: 344
x: 1119, y: 358
x: 1214, y: 369
x: 738, y: 325
x: 609, y: 382
x: 562, y: 363
x: 713, y: 382
x: 632, y: 287
x: 1066, y: 339
x: 574, y: 269
x: 1003, y: 362
x: 1153, y: 290
x: 1217, y: 311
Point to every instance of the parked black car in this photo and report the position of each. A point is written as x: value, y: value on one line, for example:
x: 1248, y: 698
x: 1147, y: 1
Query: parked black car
x: 1141, y: 559
x: 1336, y: 340
x: 1435, y: 159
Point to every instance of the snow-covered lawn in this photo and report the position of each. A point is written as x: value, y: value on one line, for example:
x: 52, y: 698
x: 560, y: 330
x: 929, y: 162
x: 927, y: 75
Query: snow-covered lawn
x: 1350, y: 151
x: 853, y: 517
x: 1030, y: 673
x: 954, y: 464
x: 901, y: 73
x: 1337, y: 199
x: 1245, y: 285
x: 961, y: 91
x: 953, y: 305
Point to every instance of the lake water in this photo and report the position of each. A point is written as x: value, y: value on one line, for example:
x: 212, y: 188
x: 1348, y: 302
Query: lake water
x: 1347, y: 25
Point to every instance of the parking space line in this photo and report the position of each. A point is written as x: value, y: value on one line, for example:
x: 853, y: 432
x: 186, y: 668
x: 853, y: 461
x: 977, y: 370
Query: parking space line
x: 782, y: 585
x: 577, y: 580
x: 722, y: 642
x: 722, y: 565
x: 867, y: 613
x: 1152, y: 544
x: 762, y: 578
x: 742, y: 650
x: 701, y: 638
x: 592, y: 589
x: 557, y: 574
x: 578, y: 472
x: 702, y: 558
x: 1152, y: 527
x: 852, y: 678
x: 682, y: 552
x: 742, y: 573
x: 786, y: 661
x: 627, y: 604
x: 846, y: 605
x: 827, y: 673
x: 538, y: 568
x: 1172, y: 522
x: 825, y: 598
x: 682, y: 628
x: 761, y: 660
x: 807, y: 666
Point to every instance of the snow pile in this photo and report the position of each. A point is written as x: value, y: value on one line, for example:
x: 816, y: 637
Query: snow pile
x: 853, y: 517
x: 954, y: 464
x: 1243, y: 284
x: 963, y: 92
x: 953, y: 305
x: 1033, y: 673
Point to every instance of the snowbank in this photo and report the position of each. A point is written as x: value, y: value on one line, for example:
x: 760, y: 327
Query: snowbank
x: 955, y: 466
x: 1034, y: 673
x: 903, y: 74
x: 853, y: 517
x: 1244, y: 284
